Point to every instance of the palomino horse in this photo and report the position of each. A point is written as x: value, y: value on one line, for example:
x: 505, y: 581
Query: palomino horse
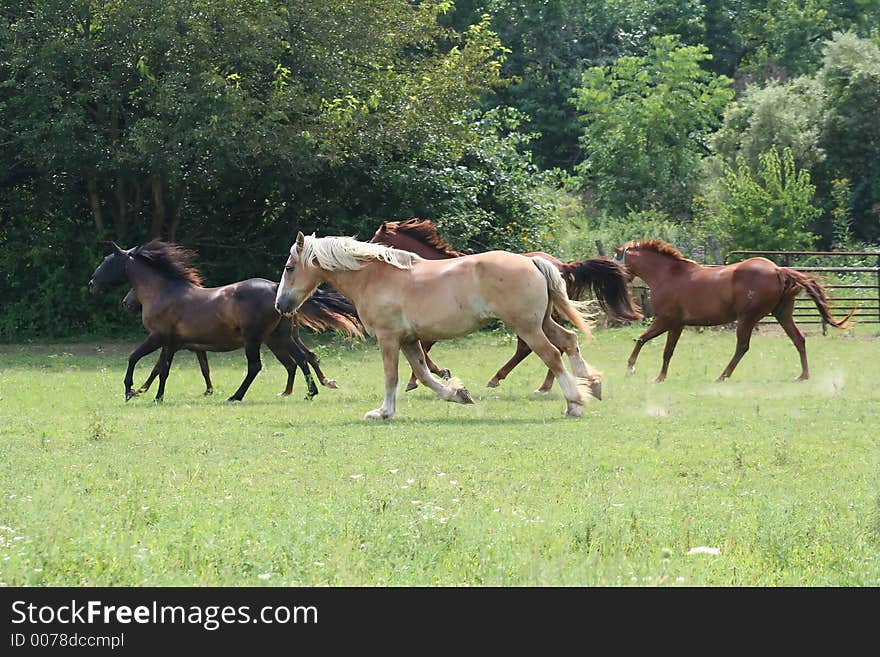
x: 603, y: 277
x: 179, y: 313
x: 402, y: 298
x: 685, y: 293
x: 323, y: 311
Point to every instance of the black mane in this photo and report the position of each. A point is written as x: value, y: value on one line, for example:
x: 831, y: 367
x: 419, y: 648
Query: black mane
x: 171, y: 260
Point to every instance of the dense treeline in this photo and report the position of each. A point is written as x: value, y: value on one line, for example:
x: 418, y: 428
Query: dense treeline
x: 229, y: 124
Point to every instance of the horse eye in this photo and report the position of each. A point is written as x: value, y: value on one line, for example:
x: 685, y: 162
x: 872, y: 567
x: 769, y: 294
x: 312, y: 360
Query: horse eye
x: 289, y: 268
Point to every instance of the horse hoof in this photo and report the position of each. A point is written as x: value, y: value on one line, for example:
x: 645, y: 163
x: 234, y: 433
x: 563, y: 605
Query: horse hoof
x: 329, y: 383
x: 208, y: 392
x: 803, y: 377
x: 630, y: 370
x: 462, y: 396
x: 310, y: 395
x: 541, y: 391
x: 445, y: 375
x: 284, y: 393
x: 596, y: 390
x: 412, y: 385
x: 574, y: 410
x: 377, y: 414
x: 493, y: 383
x: 129, y: 394
x: 660, y: 379
x: 234, y: 399
x: 159, y: 400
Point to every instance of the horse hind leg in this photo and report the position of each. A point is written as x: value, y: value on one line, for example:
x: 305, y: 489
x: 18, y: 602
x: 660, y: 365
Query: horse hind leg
x: 577, y: 392
x: 449, y: 391
x: 744, y: 326
x: 206, y: 372
x: 567, y: 342
x: 783, y: 315
x: 314, y: 361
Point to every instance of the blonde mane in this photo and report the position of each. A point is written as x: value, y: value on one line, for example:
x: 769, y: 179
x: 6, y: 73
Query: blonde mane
x: 347, y: 253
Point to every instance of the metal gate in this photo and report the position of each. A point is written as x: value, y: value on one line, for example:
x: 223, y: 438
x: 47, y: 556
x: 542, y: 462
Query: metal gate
x: 866, y: 308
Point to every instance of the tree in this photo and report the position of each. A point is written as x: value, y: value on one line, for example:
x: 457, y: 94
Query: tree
x: 850, y: 131
x: 646, y: 124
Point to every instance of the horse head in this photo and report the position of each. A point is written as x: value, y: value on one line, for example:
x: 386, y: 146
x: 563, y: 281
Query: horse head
x: 112, y: 270
x: 298, y: 280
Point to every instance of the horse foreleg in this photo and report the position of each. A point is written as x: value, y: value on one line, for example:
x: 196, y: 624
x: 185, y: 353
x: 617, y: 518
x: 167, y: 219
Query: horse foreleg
x: 206, y: 372
x: 671, y: 341
x: 656, y: 328
x: 744, y: 328
x: 390, y: 348
x: 522, y: 350
x: 252, y: 351
x: 166, y: 357
x: 431, y: 365
x: 450, y: 391
x: 148, y: 346
x: 146, y: 384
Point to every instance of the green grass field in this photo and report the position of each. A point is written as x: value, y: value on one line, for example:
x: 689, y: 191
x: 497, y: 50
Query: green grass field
x: 782, y: 478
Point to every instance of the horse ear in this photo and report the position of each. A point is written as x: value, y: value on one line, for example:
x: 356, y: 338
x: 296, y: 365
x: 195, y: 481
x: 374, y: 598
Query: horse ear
x: 617, y: 250
x: 118, y: 250
x: 300, y: 241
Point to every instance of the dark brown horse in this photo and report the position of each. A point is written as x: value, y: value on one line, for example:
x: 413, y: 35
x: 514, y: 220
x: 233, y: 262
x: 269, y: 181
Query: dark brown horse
x: 685, y: 293
x: 326, y: 309
x: 603, y: 277
x: 179, y: 313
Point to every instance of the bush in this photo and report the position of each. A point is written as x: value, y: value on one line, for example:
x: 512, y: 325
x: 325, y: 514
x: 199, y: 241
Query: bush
x: 769, y: 209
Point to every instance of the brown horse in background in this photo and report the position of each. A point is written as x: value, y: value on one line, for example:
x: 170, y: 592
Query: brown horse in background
x: 179, y: 313
x: 601, y: 276
x: 685, y: 293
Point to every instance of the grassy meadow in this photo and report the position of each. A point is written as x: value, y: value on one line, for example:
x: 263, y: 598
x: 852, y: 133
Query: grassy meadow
x: 778, y: 482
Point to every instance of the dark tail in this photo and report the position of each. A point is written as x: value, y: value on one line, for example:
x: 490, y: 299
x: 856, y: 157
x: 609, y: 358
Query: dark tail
x: 796, y: 281
x: 607, y: 280
x: 328, y: 309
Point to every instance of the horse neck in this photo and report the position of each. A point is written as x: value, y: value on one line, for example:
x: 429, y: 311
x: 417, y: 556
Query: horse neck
x: 349, y: 283
x: 148, y: 284
x: 657, y: 266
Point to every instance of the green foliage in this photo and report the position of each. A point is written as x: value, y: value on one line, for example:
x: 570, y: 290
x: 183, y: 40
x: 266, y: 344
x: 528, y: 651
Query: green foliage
x: 646, y: 121
x: 841, y: 218
x: 777, y: 115
x: 770, y: 209
x: 850, y: 77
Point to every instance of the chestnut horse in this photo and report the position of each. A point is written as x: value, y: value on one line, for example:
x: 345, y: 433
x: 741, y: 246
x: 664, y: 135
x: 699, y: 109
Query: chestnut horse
x: 179, y: 313
x: 685, y: 293
x: 402, y: 298
x: 603, y: 277
x: 323, y: 311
